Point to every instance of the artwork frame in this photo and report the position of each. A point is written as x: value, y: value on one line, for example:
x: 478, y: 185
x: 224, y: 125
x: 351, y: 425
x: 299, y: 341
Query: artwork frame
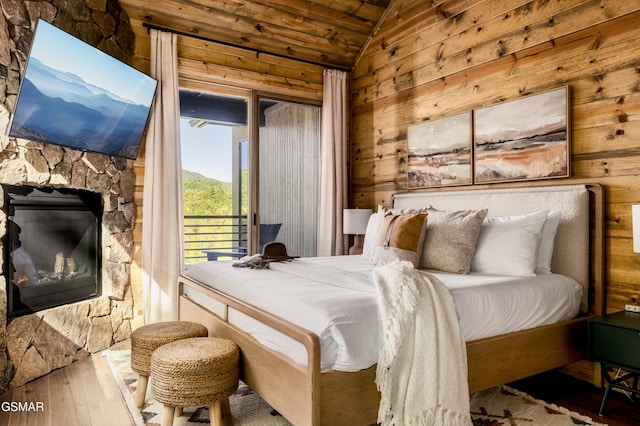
x: 440, y: 152
x: 523, y: 139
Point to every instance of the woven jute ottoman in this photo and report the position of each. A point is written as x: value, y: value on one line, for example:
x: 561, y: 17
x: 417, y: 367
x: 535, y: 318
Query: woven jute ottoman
x: 148, y: 338
x: 191, y: 372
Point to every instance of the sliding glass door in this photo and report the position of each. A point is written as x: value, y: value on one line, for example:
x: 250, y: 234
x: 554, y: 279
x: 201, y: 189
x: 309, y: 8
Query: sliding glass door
x: 250, y: 174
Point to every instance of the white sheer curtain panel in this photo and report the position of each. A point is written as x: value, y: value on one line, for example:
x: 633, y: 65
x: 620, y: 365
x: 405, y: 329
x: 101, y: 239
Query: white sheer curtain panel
x: 162, y: 217
x: 333, y: 163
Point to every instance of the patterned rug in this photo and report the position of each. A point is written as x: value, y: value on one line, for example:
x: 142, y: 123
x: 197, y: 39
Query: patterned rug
x: 500, y: 406
x: 506, y: 406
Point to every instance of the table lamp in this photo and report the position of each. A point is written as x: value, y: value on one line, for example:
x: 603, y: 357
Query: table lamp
x: 354, y: 222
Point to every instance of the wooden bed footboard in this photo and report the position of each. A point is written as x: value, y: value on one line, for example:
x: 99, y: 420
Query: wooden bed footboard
x: 303, y: 395
x: 289, y: 387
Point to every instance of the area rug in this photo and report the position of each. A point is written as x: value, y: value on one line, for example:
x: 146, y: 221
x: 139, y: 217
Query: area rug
x: 500, y: 406
x: 506, y: 406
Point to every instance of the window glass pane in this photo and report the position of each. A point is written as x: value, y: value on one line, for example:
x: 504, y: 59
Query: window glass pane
x: 213, y: 130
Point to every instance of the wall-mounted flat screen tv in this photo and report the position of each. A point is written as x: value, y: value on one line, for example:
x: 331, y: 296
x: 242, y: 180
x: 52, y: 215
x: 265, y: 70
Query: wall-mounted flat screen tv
x: 75, y: 95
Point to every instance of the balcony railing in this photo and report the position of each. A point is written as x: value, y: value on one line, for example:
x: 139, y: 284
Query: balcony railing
x: 220, y: 234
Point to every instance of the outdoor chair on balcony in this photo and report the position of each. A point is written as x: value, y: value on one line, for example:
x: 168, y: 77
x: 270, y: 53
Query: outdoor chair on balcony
x: 268, y: 233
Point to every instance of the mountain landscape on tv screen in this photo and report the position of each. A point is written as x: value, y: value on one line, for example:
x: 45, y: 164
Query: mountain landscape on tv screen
x: 61, y: 108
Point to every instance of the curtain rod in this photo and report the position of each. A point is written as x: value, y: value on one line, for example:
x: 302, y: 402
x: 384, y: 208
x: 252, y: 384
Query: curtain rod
x: 224, y: 43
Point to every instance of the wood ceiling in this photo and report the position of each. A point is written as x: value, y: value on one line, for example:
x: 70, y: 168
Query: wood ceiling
x: 330, y: 33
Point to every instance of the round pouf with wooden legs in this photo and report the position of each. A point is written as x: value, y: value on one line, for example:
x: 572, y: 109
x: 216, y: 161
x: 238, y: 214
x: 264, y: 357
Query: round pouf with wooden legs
x: 190, y: 372
x: 148, y: 338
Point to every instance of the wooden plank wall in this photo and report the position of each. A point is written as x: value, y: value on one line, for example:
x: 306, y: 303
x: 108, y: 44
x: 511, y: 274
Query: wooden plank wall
x: 434, y: 59
x: 205, y: 65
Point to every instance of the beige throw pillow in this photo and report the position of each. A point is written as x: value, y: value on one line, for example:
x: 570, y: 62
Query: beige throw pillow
x: 450, y: 241
x: 401, y: 237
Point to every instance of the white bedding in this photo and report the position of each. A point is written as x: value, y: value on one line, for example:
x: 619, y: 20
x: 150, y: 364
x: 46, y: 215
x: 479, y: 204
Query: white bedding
x: 335, y: 298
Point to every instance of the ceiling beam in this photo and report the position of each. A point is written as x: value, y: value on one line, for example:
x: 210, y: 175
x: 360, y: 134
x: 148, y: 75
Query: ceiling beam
x: 224, y: 43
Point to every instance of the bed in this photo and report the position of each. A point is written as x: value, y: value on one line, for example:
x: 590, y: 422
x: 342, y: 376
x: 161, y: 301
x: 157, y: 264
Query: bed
x: 301, y: 384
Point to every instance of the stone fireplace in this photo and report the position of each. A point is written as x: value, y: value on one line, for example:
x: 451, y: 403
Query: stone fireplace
x: 33, y: 344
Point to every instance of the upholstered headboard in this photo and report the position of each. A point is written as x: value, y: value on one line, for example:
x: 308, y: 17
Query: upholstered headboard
x: 571, y: 251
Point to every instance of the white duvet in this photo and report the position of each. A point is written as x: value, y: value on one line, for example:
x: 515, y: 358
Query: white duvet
x: 335, y: 298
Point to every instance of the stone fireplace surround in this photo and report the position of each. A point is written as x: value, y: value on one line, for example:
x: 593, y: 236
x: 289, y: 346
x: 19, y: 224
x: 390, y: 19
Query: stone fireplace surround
x: 33, y: 345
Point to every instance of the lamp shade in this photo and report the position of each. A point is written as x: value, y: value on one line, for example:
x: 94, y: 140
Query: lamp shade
x: 354, y: 221
x: 635, y: 218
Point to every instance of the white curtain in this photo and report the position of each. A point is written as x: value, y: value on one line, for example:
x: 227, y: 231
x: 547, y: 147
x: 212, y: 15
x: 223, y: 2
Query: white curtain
x: 162, y: 217
x: 333, y: 163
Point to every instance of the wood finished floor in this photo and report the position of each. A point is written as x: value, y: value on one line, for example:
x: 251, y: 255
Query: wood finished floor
x: 85, y: 394
x: 82, y: 394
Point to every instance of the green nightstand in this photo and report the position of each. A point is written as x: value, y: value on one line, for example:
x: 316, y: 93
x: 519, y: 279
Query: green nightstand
x: 614, y: 341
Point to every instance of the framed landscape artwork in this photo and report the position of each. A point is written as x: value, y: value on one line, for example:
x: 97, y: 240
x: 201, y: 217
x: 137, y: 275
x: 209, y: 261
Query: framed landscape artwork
x: 523, y: 139
x: 440, y: 152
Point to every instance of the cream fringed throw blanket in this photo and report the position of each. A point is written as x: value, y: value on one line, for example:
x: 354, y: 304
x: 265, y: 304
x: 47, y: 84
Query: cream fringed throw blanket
x: 422, y: 368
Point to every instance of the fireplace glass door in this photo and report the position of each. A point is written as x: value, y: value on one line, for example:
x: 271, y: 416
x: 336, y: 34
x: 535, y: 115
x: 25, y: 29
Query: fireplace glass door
x: 52, y: 247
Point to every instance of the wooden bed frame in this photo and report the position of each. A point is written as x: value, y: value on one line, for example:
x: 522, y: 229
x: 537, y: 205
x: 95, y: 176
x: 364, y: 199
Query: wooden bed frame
x: 306, y: 396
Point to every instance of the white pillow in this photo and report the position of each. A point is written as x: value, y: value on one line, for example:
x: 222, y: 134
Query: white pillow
x: 509, y: 245
x: 371, y: 236
x: 545, y: 253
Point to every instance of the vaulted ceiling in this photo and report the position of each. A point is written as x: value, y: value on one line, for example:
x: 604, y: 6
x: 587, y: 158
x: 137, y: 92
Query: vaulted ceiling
x: 330, y: 33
